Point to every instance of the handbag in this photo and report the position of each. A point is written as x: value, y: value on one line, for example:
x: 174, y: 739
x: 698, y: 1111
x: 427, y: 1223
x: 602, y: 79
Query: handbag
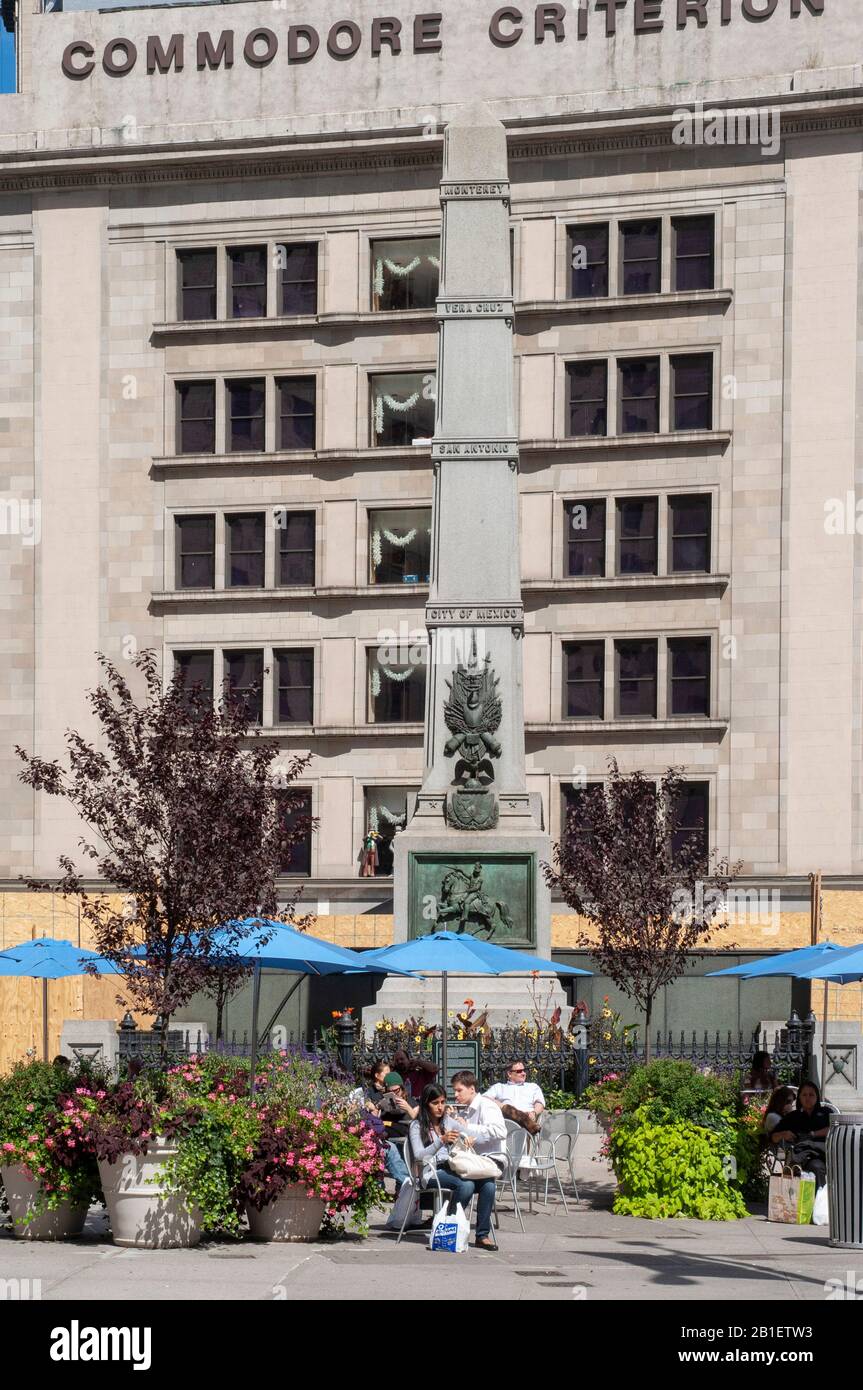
x: 471, y: 1166
x: 791, y: 1197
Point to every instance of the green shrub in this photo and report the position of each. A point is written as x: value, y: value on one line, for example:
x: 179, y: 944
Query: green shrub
x: 674, y: 1168
x: 666, y: 1091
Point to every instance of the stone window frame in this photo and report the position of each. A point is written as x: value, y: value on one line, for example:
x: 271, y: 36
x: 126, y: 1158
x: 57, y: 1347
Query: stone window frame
x: 373, y: 236
x: 713, y: 348
x: 611, y: 496
x: 365, y: 397
x: 363, y: 692
x: 221, y: 245
x: 268, y: 648
x: 592, y: 216
x: 610, y: 637
x: 219, y: 512
x: 710, y: 776
x: 366, y: 507
x: 220, y: 379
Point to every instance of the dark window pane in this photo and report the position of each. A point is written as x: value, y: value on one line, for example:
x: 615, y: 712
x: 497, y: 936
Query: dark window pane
x: 639, y: 395
x: 246, y: 405
x: 296, y: 548
x: 298, y: 829
x: 689, y: 526
x: 641, y: 258
x: 576, y: 802
x: 298, y: 278
x: 296, y: 396
x: 244, y: 543
x: 588, y: 393
x: 195, y: 670
x: 197, y: 284
x: 248, y: 272
x: 195, y: 548
x: 637, y: 519
x: 400, y: 546
x: 397, y: 692
x: 689, y: 674
x: 693, y: 253
x: 584, y: 667
x: 692, y: 378
x: 294, y: 686
x: 403, y: 408
x: 588, y: 259
x: 692, y: 819
x: 585, y: 537
x: 636, y: 679
x: 196, y: 417
x: 244, y: 678
x: 385, y: 811
x: 405, y: 273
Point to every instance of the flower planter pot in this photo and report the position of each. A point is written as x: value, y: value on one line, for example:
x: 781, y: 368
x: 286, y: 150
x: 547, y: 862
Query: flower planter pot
x: 21, y: 1192
x: 142, y: 1214
x: 292, y: 1216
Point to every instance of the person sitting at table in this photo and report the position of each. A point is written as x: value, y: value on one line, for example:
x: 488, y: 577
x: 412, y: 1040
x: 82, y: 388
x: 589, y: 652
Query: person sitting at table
x: 806, y: 1128
x: 519, y: 1099
x: 431, y: 1136
x: 762, y: 1076
x: 780, y: 1104
x: 418, y: 1072
x: 374, y: 1087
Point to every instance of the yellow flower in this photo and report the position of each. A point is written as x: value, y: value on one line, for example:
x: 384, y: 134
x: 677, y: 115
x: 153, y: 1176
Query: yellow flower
x: 591, y: 1061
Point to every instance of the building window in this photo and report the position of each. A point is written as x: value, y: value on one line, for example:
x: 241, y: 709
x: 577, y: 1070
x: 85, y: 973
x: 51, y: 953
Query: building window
x: 588, y: 260
x: 297, y: 824
x: 195, y: 671
x: 248, y: 281
x: 403, y: 408
x: 196, y: 284
x: 641, y: 257
x: 575, y: 802
x: 692, y: 388
x: 195, y: 551
x: 639, y: 395
x: 637, y: 549
x: 405, y: 274
x: 689, y: 534
x: 196, y: 417
x: 396, y: 691
x: 244, y: 551
x: 296, y: 395
x: 385, y: 812
x: 636, y: 679
x: 246, y: 415
x: 296, y: 548
x: 588, y: 396
x: 400, y: 546
x: 294, y: 693
x: 584, y: 679
x: 691, y: 819
x: 689, y: 676
x: 244, y: 680
x: 693, y: 253
x: 585, y: 538
x: 298, y: 278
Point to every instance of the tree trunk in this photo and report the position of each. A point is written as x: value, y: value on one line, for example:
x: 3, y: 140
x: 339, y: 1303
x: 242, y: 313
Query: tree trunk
x: 220, y: 1016
x: 647, y: 1038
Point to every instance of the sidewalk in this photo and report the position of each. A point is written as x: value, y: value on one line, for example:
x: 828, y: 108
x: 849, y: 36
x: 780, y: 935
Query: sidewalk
x: 589, y: 1254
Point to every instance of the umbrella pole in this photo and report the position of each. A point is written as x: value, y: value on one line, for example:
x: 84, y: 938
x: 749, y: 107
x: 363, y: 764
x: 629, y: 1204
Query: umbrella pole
x: 45, y: 1020
x: 256, y: 1000
x: 824, y: 1041
x: 443, y: 1030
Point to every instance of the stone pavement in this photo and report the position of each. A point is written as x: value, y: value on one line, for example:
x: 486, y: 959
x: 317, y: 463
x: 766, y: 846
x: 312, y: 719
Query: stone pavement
x: 589, y: 1254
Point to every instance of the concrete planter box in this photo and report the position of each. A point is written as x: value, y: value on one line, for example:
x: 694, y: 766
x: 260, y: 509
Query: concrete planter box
x: 141, y: 1213
x: 21, y: 1193
x: 292, y: 1216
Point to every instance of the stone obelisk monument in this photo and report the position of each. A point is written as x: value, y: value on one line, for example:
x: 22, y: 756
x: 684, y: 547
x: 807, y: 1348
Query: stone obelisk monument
x: 469, y: 857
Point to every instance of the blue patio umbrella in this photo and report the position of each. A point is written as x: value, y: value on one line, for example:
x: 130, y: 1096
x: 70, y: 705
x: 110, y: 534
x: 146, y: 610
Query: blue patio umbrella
x: 845, y: 967
x: 48, y: 959
x: 446, y: 953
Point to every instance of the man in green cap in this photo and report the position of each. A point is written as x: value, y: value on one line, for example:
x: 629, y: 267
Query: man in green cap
x: 396, y: 1112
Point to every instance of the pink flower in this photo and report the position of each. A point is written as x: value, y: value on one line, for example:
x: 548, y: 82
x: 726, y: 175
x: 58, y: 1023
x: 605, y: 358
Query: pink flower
x: 30, y: 1108
x: 9, y: 1148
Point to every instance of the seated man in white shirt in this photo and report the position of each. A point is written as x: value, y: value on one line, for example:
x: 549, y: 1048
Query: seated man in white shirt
x: 519, y: 1099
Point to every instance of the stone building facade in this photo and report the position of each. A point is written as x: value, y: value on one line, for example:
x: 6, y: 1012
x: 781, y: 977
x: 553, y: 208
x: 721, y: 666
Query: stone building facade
x: 218, y: 342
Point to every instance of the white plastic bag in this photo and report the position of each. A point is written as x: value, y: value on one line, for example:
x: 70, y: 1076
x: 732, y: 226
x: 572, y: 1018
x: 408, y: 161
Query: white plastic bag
x: 821, y: 1210
x: 408, y: 1199
x: 450, y: 1232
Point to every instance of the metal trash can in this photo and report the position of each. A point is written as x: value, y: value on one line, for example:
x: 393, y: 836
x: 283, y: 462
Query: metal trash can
x: 845, y: 1181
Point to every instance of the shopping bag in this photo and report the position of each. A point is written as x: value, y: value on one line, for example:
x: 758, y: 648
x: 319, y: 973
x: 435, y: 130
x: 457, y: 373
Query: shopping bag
x: 791, y: 1197
x: 408, y: 1200
x: 450, y: 1232
x: 821, y: 1210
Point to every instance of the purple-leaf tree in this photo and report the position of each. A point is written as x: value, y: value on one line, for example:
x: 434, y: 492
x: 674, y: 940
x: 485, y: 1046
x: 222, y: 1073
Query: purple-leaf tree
x: 651, y: 890
x: 185, y: 820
